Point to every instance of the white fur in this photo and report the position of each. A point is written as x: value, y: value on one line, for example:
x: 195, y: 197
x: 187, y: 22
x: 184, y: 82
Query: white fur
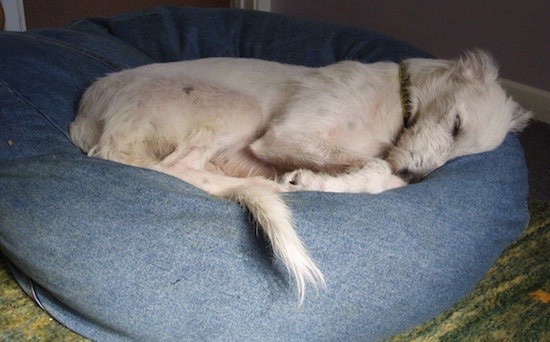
x: 245, y: 129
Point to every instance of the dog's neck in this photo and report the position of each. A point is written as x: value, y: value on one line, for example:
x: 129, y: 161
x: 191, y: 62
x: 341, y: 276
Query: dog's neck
x: 404, y: 89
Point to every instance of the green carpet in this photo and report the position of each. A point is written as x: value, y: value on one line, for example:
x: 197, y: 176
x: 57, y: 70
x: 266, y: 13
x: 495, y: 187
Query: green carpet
x: 511, y: 303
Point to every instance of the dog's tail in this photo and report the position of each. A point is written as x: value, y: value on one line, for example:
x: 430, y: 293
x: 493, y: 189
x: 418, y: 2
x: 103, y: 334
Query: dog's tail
x: 275, y: 219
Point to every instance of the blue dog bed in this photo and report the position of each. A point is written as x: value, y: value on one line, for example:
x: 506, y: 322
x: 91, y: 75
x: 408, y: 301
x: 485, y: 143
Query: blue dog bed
x: 115, y: 252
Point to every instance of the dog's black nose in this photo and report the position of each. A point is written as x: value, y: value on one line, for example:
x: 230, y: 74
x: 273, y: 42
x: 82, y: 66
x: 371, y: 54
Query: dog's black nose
x: 408, y: 176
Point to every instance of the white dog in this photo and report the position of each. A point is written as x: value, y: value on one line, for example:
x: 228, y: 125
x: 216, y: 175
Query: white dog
x: 245, y: 129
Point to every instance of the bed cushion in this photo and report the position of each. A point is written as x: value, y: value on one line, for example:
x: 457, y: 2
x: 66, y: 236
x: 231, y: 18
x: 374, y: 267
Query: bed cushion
x: 117, y: 252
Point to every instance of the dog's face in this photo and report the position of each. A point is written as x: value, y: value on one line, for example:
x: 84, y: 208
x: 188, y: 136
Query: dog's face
x: 458, y: 108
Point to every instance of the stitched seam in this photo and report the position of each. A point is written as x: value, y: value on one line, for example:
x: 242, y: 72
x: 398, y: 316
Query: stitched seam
x: 26, y: 283
x: 35, y: 296
x: 36, y: 108
x: 81, y: 51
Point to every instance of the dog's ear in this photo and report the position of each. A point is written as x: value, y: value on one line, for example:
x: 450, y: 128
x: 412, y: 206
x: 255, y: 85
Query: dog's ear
x: 477, y: 65
x: 520, y: 119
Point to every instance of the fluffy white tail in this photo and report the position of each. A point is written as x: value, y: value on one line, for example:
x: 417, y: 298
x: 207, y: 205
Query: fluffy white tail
x: 274, y: 217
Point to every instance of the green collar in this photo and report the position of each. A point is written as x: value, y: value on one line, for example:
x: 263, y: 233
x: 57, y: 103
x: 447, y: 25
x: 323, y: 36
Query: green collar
x: 404, y: 85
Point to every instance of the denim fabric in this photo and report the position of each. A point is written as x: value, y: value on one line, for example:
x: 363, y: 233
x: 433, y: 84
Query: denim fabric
x: 116, y: 252
x: 167, y: 34
x: 42, y: 76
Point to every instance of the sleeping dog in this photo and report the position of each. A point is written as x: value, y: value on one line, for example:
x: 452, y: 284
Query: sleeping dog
x: 247, y: 129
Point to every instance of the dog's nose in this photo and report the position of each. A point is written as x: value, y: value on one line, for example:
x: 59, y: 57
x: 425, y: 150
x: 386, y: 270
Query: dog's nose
x: 408, y: 176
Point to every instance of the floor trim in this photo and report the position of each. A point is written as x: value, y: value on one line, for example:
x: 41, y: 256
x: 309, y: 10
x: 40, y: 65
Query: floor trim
x: 534, y: 99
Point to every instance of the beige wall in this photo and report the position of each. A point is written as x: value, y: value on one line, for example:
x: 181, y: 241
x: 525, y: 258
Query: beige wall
x: 516, y: 32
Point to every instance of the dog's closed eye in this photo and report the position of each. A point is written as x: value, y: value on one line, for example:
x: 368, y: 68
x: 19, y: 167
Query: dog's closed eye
x: 457, y: 126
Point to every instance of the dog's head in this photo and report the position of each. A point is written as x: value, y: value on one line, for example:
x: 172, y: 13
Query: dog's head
x: 457, y: 108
